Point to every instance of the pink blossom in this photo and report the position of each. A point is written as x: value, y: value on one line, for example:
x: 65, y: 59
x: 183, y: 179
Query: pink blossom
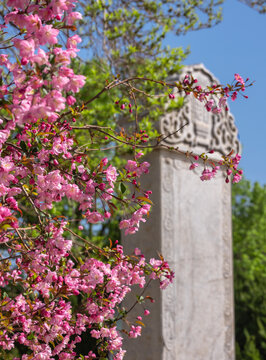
x: 61, y: 56
x: 104, y: 161
x: 193, y: 166
x: 111, y: 174
x: 216, y: 110
x: 60, y: 82
x: 94, y: 217
x: 25, y: 47
x: 209, y: 105
x: 155, y: 263
x: 75, y: 83
x: 3, y: 59
x: 72, y: 191
x: 143, y: 168
x: 73, y: 41
x: 72, y: 17
x: 21, y: 4
x: 120, y: 355
x: 164, y: 283
x: 70, y: 100
x: 234, y: 96
x: 124, y: 224
x: 32, y: 23
x: 131, y: 230
x: 135, y: 331
x: 4, y: 213
x: 236, y: 178
x: 131, y: 165
x: 239, y: 79
x: 4, y: 134
x: 47, y: 34
x: 65, y: 71
x: 59, y: 6
x: 107, y: 214
x: 55, y: 100
x: 137, y: 251
x: 91, y: 355
x: 12, y: 203
x: 139, y: 154
x: 206, y: 175
x: 236, y: 159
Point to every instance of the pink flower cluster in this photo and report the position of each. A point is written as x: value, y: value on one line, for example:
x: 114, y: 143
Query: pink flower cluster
x: 232, y: 167
x: 209, y: 95
x: 131, y: 225
x: 136, y: 169
x: 208, y: 174
x: 41, y: 164
x: 29, y: 102
x: 48, y: 280
x: 229, y: 162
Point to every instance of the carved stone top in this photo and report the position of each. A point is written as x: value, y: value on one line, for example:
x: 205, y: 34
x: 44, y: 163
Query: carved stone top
x: 204, y: 130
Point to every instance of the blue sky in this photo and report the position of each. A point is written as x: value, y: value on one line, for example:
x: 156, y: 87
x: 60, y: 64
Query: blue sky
x: 237, y: 45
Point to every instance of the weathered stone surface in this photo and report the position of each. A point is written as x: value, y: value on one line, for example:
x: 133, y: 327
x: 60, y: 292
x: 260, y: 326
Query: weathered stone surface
x: 190, y: 224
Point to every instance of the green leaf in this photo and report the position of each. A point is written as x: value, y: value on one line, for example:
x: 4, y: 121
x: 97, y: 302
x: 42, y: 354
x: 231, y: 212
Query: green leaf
x: 24, y: 146
x: 122, y: 188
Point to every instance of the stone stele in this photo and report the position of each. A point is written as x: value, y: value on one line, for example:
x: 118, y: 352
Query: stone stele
x: 190, y: 224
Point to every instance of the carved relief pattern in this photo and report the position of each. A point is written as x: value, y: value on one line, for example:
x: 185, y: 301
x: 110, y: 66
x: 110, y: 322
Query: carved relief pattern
x: 168, y: 249
x: 224, y: 134
x: 228, y: 277
x: 172, y: 122
x: 204, y: 129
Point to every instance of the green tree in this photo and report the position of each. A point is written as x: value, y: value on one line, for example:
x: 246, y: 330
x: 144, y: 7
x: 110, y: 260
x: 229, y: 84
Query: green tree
x: 125, y: 32
x: 258, y: 5
x: 249, y: 235
x: 122, y: 38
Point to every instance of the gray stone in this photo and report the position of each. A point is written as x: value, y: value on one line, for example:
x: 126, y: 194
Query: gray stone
x: 190, y: 224
x: 204, y: 130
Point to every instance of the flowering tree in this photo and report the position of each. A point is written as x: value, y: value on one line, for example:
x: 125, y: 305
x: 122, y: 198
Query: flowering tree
x: 45, y: 260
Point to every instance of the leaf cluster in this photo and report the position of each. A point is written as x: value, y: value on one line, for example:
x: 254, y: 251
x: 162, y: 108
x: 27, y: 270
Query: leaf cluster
x: 123, y: 31
x: 249, y: 234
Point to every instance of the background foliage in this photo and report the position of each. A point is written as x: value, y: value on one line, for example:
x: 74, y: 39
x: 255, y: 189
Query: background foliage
x: 249, y: 234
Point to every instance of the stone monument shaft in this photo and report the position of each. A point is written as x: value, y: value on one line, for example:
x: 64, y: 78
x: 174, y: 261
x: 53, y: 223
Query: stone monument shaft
x: 190, y: 224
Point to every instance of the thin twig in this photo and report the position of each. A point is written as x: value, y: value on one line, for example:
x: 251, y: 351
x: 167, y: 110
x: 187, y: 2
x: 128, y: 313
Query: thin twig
x: 33, y: 205
x: 81, y: 238
x: 161, y: 140
x: 21, y: 238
